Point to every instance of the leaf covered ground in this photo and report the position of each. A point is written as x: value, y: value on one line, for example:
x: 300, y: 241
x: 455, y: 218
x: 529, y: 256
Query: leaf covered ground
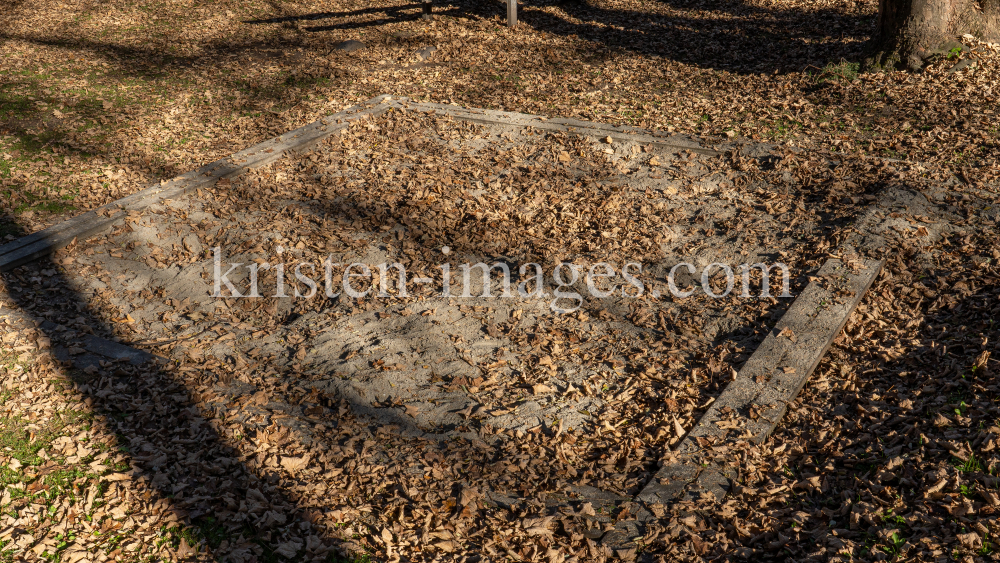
x: 889, y: 453
x: 102, y: 99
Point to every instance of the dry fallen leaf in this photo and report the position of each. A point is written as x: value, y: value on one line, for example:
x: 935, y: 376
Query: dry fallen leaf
x: 678, y: 429
x: 288, y: 549
x: 295, y: 464
x: 447, y: 546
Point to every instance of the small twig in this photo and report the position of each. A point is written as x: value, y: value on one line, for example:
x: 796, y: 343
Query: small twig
x: 168, y: 341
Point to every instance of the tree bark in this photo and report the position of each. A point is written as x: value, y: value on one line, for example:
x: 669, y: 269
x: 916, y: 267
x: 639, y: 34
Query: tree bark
x: 910, y: 31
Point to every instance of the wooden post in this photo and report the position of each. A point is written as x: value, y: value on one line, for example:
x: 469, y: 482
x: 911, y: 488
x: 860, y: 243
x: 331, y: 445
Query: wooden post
x: 427, y: 10
x: 511, y: 13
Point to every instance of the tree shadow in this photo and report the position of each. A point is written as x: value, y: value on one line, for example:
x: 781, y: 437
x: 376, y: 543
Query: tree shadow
x: 183, y: 451
x: 751, y: 39
x: 182, y: 458
x: 746, y: 39
x: 911, y: 408
x: 393, y: 14
x: 32, y: 115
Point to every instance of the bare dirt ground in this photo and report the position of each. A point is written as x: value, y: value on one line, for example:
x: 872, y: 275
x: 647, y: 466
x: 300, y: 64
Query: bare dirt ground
x: 240, y: 445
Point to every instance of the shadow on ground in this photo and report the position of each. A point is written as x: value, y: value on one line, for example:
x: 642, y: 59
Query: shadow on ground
x: 903, y: 436
x: 156, y: 415
x: 150, y: 409
x: 746, y: 38
x: 186, y: 454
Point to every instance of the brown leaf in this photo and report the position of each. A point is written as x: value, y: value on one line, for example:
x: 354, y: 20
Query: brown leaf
x: 940, y: 420
x: 787, y: 333
x: 448, y: 546
x: 678, y: 429
x: 295, y: 464
x: 288, y: 549
x: 540, y: 389
x: 970, y: 540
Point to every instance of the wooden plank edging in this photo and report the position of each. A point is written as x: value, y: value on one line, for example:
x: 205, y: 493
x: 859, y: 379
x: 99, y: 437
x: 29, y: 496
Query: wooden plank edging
x: 36, y: 245
x: 752, y: 405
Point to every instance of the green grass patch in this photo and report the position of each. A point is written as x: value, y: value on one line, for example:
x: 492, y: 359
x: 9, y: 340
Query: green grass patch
x: 60, y: 482
x: 15, y: 106
x: 841, y: 71
x: 988, y: 546
x: 780, y: 128
x: 893, y: 519
x: 894, y: 544
x: 18, y: 443
x: 48, y: 207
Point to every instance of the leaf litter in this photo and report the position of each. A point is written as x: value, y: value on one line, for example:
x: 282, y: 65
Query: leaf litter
x: 274, y: 405
x: 829, y: 485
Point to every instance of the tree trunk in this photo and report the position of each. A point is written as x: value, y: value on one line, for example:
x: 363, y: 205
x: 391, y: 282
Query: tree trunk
x: 910, y: 31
